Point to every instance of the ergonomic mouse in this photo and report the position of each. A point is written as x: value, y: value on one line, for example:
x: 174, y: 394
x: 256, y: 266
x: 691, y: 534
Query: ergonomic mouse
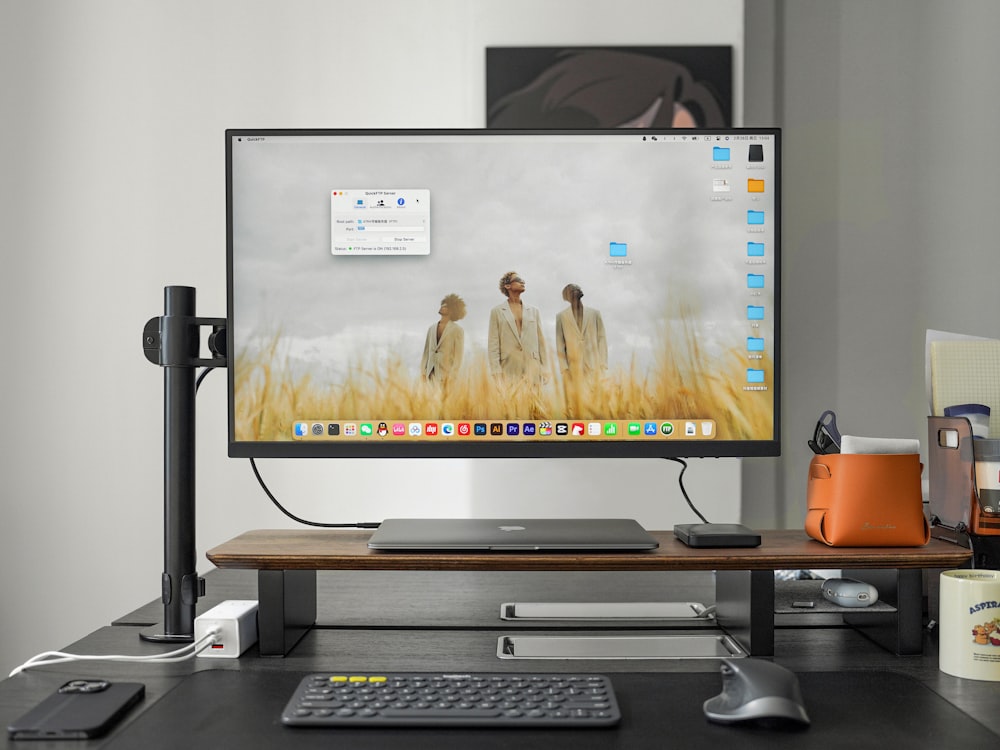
x: 755, y: 690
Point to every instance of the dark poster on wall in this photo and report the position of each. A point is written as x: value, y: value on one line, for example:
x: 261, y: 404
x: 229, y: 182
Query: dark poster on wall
x: 609, y: 87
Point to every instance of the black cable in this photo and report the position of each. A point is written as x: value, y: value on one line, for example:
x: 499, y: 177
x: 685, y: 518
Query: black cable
x: 375, y: 525
x: 680, y: 481
x: 204, y: 373
x: 279, y: 506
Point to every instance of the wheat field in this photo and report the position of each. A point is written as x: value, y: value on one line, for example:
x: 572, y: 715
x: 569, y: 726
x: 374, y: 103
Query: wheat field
x: 684, y: 382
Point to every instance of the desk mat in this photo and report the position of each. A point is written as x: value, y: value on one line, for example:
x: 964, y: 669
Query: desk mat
x: 878, y: 710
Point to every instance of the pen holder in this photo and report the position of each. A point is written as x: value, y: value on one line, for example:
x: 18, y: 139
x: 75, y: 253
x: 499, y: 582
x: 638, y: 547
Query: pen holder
x: 866, y: 500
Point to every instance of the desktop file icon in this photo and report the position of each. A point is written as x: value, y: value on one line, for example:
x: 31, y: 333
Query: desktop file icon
x: 755, y: 376
x: 755, y: 249
x: 755, y: 217
x: 755, y: 186
x: 755, y: 344
x: 755, y: 281
x: 619, y: 249
x: 720, y: 153
x: 755, y: 312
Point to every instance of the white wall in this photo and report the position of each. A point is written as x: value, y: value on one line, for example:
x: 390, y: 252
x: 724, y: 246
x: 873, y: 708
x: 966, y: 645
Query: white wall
x: 890, y: 112
x: 111, y: 187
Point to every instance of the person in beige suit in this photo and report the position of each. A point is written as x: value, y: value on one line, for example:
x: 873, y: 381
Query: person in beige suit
x: 581, y: 343
x: 516, y: 346
x: 582, y: 348
x: 444, y: 346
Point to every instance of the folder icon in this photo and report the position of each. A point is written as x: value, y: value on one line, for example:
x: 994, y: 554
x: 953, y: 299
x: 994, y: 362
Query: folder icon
x: 755, y: 280
x: 755, y: 376
x: 720, y: 153
x: 755, y: 344
x: 755, y: 249
x: 755, y: 186
x: 755, y: 312
x: 619, y: 249
x: 755, y: 217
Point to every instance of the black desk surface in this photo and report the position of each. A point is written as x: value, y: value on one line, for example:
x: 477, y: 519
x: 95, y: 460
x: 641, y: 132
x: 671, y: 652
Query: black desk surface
x: 856, y: 709
x: 386, y: 621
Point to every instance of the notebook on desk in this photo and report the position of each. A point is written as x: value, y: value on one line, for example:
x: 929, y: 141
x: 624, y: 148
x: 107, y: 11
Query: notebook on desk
x: 511, y: 535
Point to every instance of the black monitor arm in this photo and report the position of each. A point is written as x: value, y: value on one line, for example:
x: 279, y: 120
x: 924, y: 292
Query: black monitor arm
x: 173, y: 341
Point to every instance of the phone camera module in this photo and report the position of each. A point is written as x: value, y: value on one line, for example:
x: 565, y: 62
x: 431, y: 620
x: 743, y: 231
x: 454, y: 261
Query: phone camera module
x: 85, y: 686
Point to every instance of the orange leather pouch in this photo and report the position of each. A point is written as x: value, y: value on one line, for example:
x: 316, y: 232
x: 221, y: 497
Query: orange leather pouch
x: 866, y: 500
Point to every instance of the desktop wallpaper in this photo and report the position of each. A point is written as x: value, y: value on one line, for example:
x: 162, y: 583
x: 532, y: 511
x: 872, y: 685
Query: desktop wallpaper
x: 654, y: 234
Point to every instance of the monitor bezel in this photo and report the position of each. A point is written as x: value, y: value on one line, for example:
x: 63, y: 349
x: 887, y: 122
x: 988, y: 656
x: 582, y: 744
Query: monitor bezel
x: 580, y: 447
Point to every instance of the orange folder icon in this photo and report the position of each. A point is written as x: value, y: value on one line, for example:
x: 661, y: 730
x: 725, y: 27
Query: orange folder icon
x: 755, y: 186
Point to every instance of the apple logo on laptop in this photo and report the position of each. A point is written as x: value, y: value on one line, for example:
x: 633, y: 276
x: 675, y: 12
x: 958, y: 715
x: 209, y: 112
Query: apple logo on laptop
x: 511, y: 528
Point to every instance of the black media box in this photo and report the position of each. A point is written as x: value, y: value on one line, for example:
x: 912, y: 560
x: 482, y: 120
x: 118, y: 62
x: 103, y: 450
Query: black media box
x: 716, y: 535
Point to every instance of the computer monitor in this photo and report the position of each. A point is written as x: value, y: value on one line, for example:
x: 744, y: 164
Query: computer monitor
x: 495, y: 293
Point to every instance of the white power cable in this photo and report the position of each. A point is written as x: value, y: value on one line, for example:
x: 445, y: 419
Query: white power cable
x: 181, y: 654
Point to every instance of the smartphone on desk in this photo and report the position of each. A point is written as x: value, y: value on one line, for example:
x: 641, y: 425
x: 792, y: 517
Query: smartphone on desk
x: 80, y: 709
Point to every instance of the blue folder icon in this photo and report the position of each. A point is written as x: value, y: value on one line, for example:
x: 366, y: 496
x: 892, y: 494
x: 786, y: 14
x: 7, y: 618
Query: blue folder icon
x: 619, y: 249
x: 755, y: 376
x: 720, y: 153
x: 755, y: 249
x: 755, y: 217
x: 755, y: 312
x: 755, y: 344
x: 755, y: 281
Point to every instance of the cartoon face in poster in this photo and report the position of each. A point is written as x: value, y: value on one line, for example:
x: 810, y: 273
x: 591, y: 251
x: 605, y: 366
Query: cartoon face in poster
x: 611, y: 87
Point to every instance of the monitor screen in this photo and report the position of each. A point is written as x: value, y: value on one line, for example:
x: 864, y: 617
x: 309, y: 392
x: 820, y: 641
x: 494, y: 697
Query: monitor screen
x: 492, y: 293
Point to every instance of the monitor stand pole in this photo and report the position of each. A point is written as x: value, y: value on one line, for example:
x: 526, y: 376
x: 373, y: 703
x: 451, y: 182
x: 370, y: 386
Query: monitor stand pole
x: 173, y: 342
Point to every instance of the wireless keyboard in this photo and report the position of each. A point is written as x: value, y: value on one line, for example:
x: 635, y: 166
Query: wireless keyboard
x: 448, y: 700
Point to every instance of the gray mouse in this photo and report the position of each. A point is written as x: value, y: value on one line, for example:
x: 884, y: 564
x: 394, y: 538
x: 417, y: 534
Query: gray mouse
x: 753, y: 689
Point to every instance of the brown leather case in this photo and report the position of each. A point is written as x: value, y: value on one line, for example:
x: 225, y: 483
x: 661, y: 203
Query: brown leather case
x: 866, y: 500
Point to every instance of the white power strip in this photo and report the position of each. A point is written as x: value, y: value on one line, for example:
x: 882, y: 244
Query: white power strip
x: 236, y: 623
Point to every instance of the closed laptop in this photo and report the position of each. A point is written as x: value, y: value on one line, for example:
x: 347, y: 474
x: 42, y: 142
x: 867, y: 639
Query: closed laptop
x: 511, y: 535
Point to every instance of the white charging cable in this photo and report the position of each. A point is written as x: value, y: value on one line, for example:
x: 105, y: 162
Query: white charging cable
x: 182, y: 654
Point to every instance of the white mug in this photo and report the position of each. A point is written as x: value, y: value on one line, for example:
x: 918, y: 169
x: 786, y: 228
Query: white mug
x: 970, y: 624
